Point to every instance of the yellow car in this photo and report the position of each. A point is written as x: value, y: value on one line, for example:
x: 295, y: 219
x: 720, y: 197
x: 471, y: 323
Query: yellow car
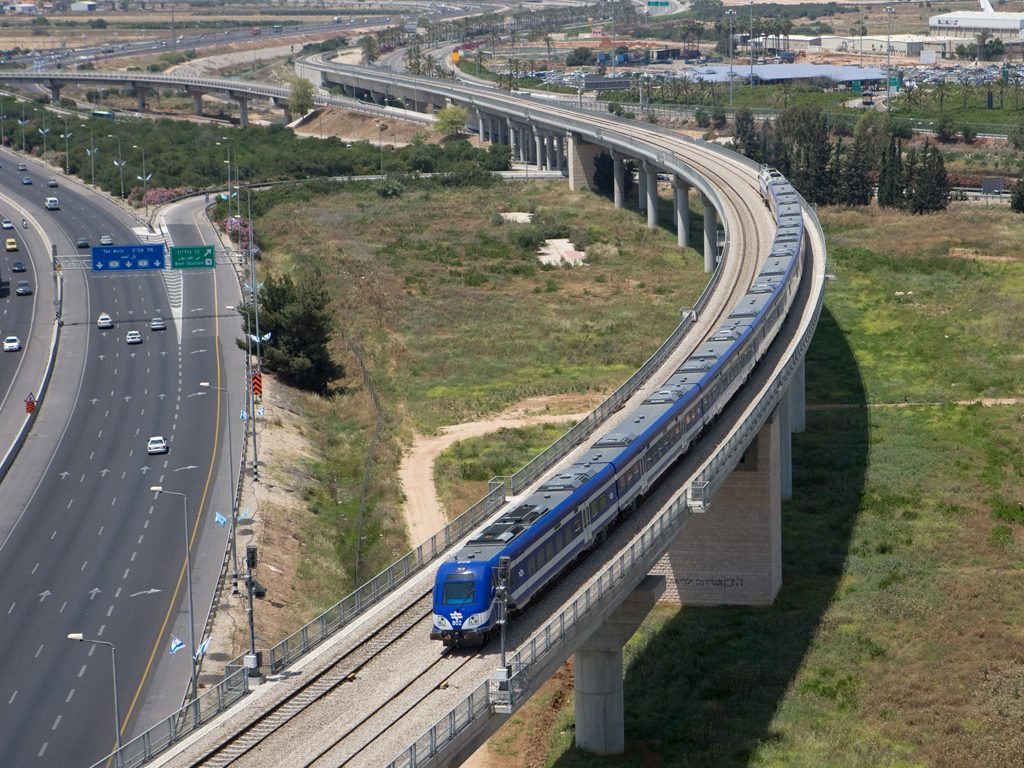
x: 11, y: 244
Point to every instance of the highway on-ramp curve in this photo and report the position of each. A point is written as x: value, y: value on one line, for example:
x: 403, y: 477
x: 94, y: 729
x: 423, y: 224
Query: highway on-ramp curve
x: 85, y: 546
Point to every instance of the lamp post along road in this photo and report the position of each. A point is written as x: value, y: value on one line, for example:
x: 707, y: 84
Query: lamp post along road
x: 119, y: 162
x: 232, y: 488
x: 889, y: 11
x: 732, y: 18
x: 113, y: 664
x: 188, y: 579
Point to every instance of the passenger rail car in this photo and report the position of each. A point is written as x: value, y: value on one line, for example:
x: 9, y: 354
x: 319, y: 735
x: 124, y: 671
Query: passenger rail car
x: 573, y: 509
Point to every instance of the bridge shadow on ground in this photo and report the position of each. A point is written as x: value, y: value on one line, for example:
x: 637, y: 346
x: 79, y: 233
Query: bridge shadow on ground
x: 703, y: 689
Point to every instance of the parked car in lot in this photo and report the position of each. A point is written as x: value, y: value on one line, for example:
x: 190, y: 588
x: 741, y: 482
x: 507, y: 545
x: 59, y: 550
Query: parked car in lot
x: 24, y: 288
x: 157, y: 324
x: 156, y: 444
x: 104, y: 321
x: 133, y: 337
x: 12, y: 344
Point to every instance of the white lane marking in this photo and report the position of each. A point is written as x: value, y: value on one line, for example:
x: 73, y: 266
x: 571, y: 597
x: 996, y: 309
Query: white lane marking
x: 141, y: 537
x: 56, y: 722
x: 134, y: 554
x: 100, y: 531
x: 42, y: 749
x: 63, y: 606
x: 70, y: 502
x: 117, y: 594
x: 11, y: 700
x: 53, y: 535
x: 84, y: 564
x: 11, y: 609
x: 98, y: 436
x: 113, y: 501
x: 91, y: 651
x: 70, y: 695
x: 99, y: 632
x: 35, y: 568
x: 39, y: 650
x: 126, y: 570
x: 82, y: 670
x: 110, y: 610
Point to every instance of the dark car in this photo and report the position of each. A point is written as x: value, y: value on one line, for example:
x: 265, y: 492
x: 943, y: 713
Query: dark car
x: 24, y: 288
x: 82, y: 242
x: 18, y: 266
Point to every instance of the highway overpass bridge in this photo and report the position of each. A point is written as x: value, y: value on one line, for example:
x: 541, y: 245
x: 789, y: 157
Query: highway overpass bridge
x: 730, y: 555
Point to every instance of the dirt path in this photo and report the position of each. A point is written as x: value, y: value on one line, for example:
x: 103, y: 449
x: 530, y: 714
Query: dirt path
x: 423, y: 512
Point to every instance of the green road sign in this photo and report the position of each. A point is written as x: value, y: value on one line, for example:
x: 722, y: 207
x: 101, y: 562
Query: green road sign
x: 856, y: 86
x: 193, y: 257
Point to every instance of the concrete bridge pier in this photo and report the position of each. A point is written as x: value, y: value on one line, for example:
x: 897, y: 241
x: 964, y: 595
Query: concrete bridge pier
x: 140, y: 95
x: 652, y: 195
x: 732, y: 553
x: 538, y: 147
x: 552, y: 153
x: 197, y: 103
x: 798, y: 397
x: 560, y: 153
x: 55, y: 94
x: 480, y: 126
x: 682, y: 211
x: 619, y: 179
x: 581, y: 162
x: 641, y: 187
x: 243, y: 110
x: 785, y: 411
x: 600, y: 716
x: 513, y: 140
x: 710, y: 234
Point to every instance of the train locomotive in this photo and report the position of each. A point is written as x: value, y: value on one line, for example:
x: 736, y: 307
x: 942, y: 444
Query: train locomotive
x: 573, y: 509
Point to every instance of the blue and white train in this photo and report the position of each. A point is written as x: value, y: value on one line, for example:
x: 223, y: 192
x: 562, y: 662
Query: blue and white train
x: 573, y: 509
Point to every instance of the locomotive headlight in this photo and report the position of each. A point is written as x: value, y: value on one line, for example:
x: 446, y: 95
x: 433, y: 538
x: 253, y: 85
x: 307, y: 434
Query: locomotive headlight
x: 474, y: 620
x: 441, y: 622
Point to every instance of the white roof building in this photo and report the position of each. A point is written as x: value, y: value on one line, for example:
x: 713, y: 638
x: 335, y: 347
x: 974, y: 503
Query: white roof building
x: 1005, y: 26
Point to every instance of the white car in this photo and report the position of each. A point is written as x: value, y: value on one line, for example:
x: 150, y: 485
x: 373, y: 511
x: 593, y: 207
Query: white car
x: 7, y: 224
x: 104, y: 321
x: 133, y: 337
x: 12, y: 344
x: 156, y: 444
x: 106, y: 240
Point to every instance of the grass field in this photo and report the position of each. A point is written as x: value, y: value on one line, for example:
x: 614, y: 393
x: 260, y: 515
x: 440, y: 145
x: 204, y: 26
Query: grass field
x: 896, y: 638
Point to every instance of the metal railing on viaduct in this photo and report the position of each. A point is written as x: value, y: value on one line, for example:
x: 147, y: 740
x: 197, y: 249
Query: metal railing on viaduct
x: 552, y: 136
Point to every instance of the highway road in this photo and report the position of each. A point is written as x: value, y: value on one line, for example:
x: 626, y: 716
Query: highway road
x: 84, y: 545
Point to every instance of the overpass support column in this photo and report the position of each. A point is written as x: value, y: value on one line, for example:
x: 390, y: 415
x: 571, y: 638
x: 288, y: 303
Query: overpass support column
x: 797, y: 396
x: 581, y: 162
x: 538, y: 144
x: 512, y: 141
x: 140, y: 95
x: 480, y: 126
x: 600, y: 716
x: 732, y: 554
x: 652, y: 196
x: 560, y: 153
x: 55, y: 94
x: 682, y: 210
x: 785, y: 410
x: 243, y: 111
x: 641, y: 187
x: 710, y: 234
x: 197, y: 103
x: 619, y: 179
x: 552, y: 154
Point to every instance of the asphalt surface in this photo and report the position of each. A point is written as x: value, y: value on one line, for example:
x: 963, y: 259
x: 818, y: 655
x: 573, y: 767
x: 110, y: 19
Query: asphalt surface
x: 85, y: 546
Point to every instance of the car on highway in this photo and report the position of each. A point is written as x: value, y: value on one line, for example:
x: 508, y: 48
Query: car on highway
x: 26, y: 179
x: 157, y: 324
x: 52, y: 204
x: 83, y: 242
x: 133, y: 337
x: 104, y: 321
x: 24, y: 288
x: 157, y: 444
x: 51, y: 182
x: 106, y: 240
x: 12, y: 344
x: 18, y: 266
x: 22, y: 167
x: 7, y: 224
x: 10, y: 244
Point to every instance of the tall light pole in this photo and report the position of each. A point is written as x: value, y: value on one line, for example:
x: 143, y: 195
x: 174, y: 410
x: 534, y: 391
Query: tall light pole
x: 144, y: 178
x: 3, y: 136
x: 732, y: 18
x: 67, y: 157
x: 889, y: 11
x: 751, y: 42
x: 188, y: 578
x: 119, y: 162
x: 22, y: 124
x: 231, y: 473
x: 91, y: 151
x: 44, y: 131
x: 113, y: 664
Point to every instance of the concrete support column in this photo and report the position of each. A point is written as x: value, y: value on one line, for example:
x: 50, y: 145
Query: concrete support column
x: 652, y: 196
x: 798, y: 395
x: 710, y: 234
x: 538, y: 149
x: 600, y: 715
x: 140, y: 96
x: 552, y: 154
x: 581, y: 156
x: 682, y: 210
x: 55, y: 94
x: 243, y: 111
x: 480, y: 126
x: 560, y: 153
x: 619, y: 179
x: 641, y: 188
x: 732, y: 554
x: 197, y: 104
x: 785, y: 410
x: 513, y: 140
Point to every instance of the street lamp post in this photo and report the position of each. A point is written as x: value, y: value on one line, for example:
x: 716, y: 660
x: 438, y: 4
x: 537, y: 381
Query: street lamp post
x: 22, y: 124
x: 3, y: 136
x: 91, y: 151
x: 231, y: 473
x: 751, y: 42
x: 113, y: 664
x: 889, y: 11
x: 732, y: 18
x: 44, y: 131
x: 188, y: 577
x: 144, y: 178
x: 119, y: 162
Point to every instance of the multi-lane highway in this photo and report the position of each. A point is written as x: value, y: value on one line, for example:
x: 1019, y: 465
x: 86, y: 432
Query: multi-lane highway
x: 85, y: 546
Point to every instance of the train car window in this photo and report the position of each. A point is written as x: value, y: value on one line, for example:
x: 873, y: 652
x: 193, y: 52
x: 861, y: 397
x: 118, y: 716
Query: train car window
x: 458, y: 591
x: 577, y: 524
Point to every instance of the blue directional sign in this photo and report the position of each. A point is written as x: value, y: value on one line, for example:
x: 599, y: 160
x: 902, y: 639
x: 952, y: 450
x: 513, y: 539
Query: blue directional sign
x: 114, y: 258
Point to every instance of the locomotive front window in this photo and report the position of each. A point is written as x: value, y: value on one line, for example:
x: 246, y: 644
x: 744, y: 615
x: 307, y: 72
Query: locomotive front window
x: 458, y: 591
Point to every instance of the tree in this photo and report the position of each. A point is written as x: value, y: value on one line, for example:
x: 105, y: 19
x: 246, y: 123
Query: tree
x: 853, y: 185
x: 890, y: 176
x: 928, y: 184
x: 945, y: 128
x: 300, y: 99
x: 371, y: 52
x: 1017, y: 200
x: 450, y: 121
x: 808, y: 149
x: 298, y: 317
x: 580, y: 57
